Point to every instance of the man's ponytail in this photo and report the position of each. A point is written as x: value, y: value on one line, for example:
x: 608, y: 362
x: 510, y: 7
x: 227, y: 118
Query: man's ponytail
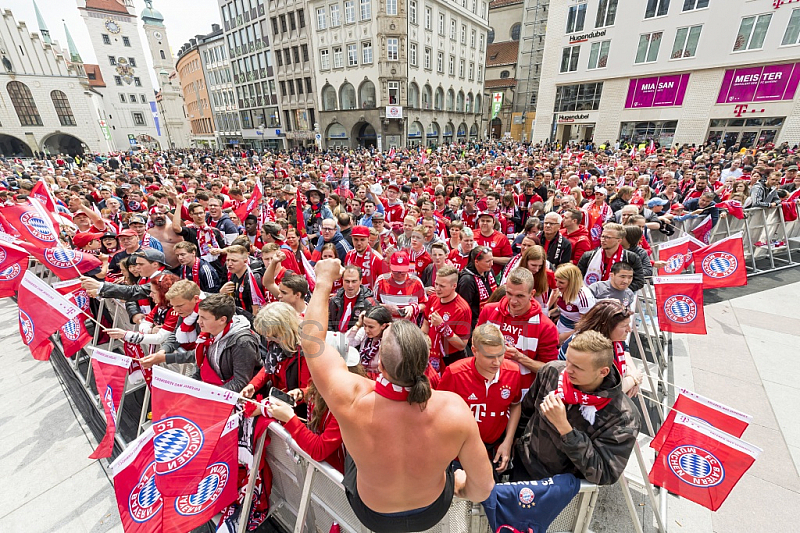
x: 420, y: 391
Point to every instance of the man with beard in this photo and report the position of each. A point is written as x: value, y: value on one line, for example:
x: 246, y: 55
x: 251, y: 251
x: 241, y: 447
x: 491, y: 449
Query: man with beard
x: 369, y: 261
x: 164, y: 233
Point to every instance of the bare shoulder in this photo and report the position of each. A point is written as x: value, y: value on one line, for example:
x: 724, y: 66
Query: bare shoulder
x: 450, y: 407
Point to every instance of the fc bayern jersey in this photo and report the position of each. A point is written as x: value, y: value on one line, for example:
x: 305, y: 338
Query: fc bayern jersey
x: 455, y: 313
x: 489, y: 400
x: 419, y: 262
x: 498, y: 244
x: 393, y: 213
x: 370, y: 269
x: 411, y: 292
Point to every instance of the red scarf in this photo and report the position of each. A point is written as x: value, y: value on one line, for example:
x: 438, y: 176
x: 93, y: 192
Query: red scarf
x: 186, y: 334
x: 619, y: 357
x: 390, y: 391
x: 205, y: 239
x: 482, y: 292
x: 204, y: 342
x: 195, y: 271
x: 589, y: 403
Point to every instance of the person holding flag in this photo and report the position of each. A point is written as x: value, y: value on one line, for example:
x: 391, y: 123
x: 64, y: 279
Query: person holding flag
x: 242, y: 283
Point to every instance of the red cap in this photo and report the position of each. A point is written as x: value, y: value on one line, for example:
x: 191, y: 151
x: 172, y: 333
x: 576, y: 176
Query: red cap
x: 128, y: 233
x: 360, y: 231
x: 393, y: 186
x: 153, y: 187
x: 399, y: 262
x: 486, y: 214
x: 677, y: 207
x: 82, y: 239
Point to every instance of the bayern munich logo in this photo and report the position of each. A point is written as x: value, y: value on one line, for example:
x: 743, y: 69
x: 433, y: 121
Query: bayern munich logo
x: 592, y: 278
x: 26, y: 327
x: 719, y: 265
x: 3, y: 255
x: 178, y: 440
x: 696, y: 466
x: 208, y: 490
x: 680, y: 308
x: 61, y: 258
x: 72, y: 330
x: 505, y: 393
x: 145, y: 500
x: 81, y: 300
x: 526, y: 496
x: 37, y: 227
x: 674, y: 264
x: 11, y: 272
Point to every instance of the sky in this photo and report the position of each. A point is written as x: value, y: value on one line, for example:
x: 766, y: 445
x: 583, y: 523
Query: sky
x: 183, y: 19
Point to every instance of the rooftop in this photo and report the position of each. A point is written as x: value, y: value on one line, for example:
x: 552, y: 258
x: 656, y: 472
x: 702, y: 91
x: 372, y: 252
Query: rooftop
x: 112, y: 6
x: 497, y: 84
x: 502, y: 53
x: 94, y: 75
x: 502, y: 3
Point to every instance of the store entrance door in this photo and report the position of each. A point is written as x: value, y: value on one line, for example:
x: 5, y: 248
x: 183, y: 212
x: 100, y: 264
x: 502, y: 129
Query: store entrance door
x: 748, y: 133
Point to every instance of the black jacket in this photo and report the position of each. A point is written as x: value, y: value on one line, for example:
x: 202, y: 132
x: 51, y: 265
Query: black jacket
x: 557, y: 254
x: 627, y: 257
x: 240, y: 359
x: 130, y: 294
x: 364, y: 302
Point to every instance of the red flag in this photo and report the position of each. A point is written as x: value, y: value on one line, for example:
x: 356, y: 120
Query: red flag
x: 63, y: 262
x: 110, y: 371
x: 216, y: 490
x: 722, y: 263
x: 714, y: 413
x: 301, y: 222
x: 789, y: 211
x: 701, y: 463
x: 676, y: 254
x: 73, y: 287
x: 733, y: 207
x: 32, y: 223
x: 42, y: 193
x: 13, y: 264
x: 703, y: 230
x: 252, y: 203
x: 137, y: 371
x: 74, y: 335
x: 139, y: 502
x: 188, y: 418
x: 679, y: 301
x: 42, y: 311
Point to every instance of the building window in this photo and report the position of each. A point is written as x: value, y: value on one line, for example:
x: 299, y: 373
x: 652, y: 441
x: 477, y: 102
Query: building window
x: 480, y: 41
x: 279, y: 57
x: 349, y: 11
x: 576, y: 18
x: 426, y: 59
x: 690, y: 5
x: 126, y: 41
x: 515, y: 30
x: 296, y: 54
x: 472, y: 38
x: 412, y: 54
x: 117, y: 80
x: 335, y: 20
x: 112, y: 61
x: 352, y: 55
x: 275, y: 26
x: 305, y: 53
x: 686, y: 42
x: 301, y: 18
x: 451, y: 66
x: 284, y: 28
x: 656, y: 8
x: 337, y: 57
x: 23, y: 102
x: 122, y: 98
x: 163, y: 56
x: 471, y: 75
x: 440, y: 62
x: 324, y: 59
x: 299, y: 83
x: 428, y: 19
x: 292, y: 23
x: 583, y: 97
x: 137, y: 82
x: 287, y: 56
x: 308, y: 86
x: 138, y: 119
x: 463, y: 34
x: 142, y: 98
x: 321, y: 20
x: 490, y: 36
x: 106, y: 39
x: 132, y: 61
x: 461, y: 64
x: 366, y: 9
x: 282, y: 85
x: 606, y: 13
x: 391, y: 7
x: 598, y: 55
x: 504, y: 74
x: 394, y: 92
x: 569, y: 58
x: 792, y: 35
x: 392, y: 48
x: 412, y: 11
x: 366, y: 53
x: 452, y: 29
x: 441, y: 23
x: 133, y: 99
x: 752, y: 32
x: 648, y: 47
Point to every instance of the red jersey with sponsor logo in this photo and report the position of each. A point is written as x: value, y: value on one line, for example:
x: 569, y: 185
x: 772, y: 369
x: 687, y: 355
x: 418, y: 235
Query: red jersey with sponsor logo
x: 470, y: 220
x: 532, y: 333
x: 371, y: 267
x: 410, y: 292
x: 419, y: 261
x: 393, y: 214
x: 489, y: 400
x: 498, y: 244
x: 456, y: 314
x: 459, y: 261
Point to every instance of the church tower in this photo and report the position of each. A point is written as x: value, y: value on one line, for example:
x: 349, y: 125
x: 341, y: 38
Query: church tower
x: 128, y: 96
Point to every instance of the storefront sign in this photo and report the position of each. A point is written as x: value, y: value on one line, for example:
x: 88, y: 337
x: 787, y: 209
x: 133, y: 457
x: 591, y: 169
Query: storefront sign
x: 583, y: 37
x: 576, y: 118
x: 760, y: 84
x: 658, y: 91
x: 497, y: 103
x: 394, y: 111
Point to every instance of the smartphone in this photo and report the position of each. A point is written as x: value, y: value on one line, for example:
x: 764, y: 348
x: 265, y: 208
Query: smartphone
x: 282, y: 396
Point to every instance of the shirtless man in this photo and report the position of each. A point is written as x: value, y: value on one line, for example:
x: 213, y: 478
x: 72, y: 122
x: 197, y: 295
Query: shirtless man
x: 401, y: 434
x: 164, y: 233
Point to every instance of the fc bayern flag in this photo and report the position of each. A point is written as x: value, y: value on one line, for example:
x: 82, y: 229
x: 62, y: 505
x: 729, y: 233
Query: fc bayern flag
x: 110, y: 371
x: 676, y: 254
x: 705, y: 409
x: 137, y: 371
x: 74, y: 335
x: 188, y: 418
x: 703, y: 230
x: 42, y: 311
x: 722, y: 263
x: 701, y: 463
x: 301, y: 221
x: 252, y: 203
x: 32, y: 222
x: 73, y: 287
x: 139, y: 502
x: 733, y: 207
x: 13, y: 264
x: 216, y: 490
x: 679, y: 301
x: 41, y: 193
x: 63, y: 262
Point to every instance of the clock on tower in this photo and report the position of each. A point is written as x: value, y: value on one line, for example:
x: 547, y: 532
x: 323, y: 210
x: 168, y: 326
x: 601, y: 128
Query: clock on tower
x: 112, y: 26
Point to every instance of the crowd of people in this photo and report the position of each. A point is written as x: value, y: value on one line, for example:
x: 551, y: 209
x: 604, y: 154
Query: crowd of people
x: 503, y: 274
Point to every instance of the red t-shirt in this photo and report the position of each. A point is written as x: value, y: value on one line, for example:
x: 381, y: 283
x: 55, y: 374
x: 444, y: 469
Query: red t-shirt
x: 498, y: 244
x: 409, y: 293
x: 489, y: 400
x: 419, y: 261
x: 459, y: 261
x: 370, y: 271
x: 456, y: 314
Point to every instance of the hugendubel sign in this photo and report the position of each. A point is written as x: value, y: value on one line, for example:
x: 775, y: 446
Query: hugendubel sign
x: 759, y: 84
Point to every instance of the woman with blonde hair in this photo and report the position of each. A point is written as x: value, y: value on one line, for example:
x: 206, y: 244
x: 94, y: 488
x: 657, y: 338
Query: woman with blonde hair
x: 535, y: 260
x: 570, y: 300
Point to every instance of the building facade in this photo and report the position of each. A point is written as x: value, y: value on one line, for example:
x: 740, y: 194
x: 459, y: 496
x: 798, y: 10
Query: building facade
x: 529, y: 67
x: 47, y: 105
x: 195, y: 95
x: 246, y: 27
x: 692, y: 71
x: 291, y: 52
x: 128, y: 96
x: 505, y: 26
x: 221, y: 91
x: 399, y: 73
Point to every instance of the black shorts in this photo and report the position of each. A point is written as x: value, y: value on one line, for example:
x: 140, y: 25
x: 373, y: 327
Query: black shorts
x: 406, y: 521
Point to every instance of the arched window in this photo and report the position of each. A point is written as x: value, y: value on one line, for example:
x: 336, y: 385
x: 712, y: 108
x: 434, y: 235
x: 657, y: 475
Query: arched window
x: 490, y: 36
x: 460, y: 102
x: 451, y: 96
x: 63, y: 109
x: 427, y: 96
x: 515, y: 31
x: 23, y: 102
x: 504, y: 74
x: 413, y: 95
x: 470, y: 100
x: 438, y: 102
x: 477, y: 103
x: 366, y: 95
x: 328, y: 98
x: 347, y: 96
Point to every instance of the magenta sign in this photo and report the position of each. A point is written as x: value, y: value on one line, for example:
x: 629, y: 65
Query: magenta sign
x: 658, y: 91
x: 759, y: 84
